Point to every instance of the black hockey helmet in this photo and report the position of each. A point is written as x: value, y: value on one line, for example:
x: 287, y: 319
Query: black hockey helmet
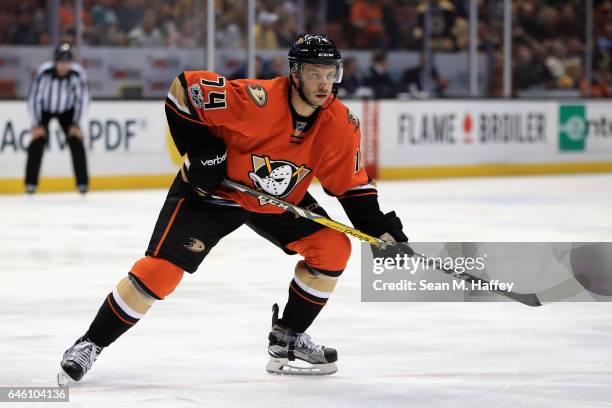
x: 314, y: 49
x: 63, y: 52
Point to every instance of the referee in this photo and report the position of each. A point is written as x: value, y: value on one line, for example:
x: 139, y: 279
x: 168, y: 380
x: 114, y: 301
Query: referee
x: 58, y: 91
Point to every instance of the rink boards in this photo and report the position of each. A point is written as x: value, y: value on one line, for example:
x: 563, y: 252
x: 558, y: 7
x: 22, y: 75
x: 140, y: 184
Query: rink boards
x: 129, y: 145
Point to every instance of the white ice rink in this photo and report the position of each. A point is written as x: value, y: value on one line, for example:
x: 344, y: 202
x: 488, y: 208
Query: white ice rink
x: 205, y: 346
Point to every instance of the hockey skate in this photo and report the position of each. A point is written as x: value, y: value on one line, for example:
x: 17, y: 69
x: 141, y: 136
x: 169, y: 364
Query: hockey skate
x: 295, y: 353
x: 77, y: 360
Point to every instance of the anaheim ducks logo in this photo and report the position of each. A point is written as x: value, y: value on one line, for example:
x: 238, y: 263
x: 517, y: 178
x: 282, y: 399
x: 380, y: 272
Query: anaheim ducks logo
x: 276, y: 177
x: 258, y: 94
x: 194, y: 245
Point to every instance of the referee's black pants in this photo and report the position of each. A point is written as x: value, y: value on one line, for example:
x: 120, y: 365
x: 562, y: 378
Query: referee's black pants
x: 37, y: 147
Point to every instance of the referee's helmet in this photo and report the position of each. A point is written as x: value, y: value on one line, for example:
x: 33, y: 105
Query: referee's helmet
x: 63, y: 52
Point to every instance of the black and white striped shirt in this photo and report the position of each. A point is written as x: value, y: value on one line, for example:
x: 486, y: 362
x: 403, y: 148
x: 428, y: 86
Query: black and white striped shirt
x: 53, y: 94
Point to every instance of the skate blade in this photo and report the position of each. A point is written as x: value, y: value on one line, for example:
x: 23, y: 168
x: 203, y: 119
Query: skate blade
x: 283, y: 366
x: 63, y: 379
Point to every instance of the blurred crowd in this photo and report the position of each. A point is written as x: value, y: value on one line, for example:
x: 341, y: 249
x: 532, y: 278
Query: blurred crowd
x: 150, y: 23
x: 549, y: 45
x: 548, y: 35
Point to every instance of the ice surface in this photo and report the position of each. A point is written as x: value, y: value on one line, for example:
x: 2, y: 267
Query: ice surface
x: 205, y: 346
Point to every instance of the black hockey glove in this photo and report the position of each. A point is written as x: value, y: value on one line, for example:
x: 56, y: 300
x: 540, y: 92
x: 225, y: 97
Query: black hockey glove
x: 391, y: 229
x: 205, y: 171
x: 392, y: 226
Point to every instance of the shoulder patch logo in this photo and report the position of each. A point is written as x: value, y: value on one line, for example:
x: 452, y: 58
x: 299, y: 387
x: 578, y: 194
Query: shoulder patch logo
x: 195, y: 94
x: 352, y: 120
x: 258, y: 94
x: 276, y: 177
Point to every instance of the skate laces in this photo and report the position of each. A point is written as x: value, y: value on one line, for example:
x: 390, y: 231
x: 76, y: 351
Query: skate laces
x: 304, y: 340
x: 84, y: 354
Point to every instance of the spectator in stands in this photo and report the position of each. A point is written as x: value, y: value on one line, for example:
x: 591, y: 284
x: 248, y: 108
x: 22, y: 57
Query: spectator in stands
x: 231, y: 25
x: 230, y: 36
x: 367, y: 22
x: 601, y: 85
x: 548, y: 18
x: 442, y: 17
x: 102, y: 17
x: 414, y: 80
x: 526, y: 17
x: 565, y: 69
x: 378, y: 77
x: 265, y: 30
x: 461, y: 34
x: 168, y: 28
x: 188, y: 37
x: 147, y: 34
x: 288, y: 30
x: 351, y: 80
x: 278, y: 67
x: 22, y: 32
x: 112, y: 36
x: 602, y: 15
x: 129, y: 14
x: 604, y: 42
x: 571, y: 18
x: 407, y: 25
x: 338, y: 22
x: 242, y: 72
x: 574, y: 61
x: 68, y: 35
x: 68, y: 19
x: 102, y: 13
x: 392, y: 34
x: 529, y: 68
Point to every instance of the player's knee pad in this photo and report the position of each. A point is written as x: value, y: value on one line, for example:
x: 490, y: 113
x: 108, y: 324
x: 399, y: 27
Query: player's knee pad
x: 157, y: 276
x: 313, y: 284
x: 326, y: 249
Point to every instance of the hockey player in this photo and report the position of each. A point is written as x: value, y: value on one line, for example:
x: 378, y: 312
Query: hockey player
x: 275, y: 135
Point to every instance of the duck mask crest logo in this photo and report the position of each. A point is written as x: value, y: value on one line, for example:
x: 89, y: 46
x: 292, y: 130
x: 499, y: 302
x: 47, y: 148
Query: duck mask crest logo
x: 276, y: 177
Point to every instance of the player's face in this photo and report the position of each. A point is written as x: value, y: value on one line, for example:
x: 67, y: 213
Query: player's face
x: 318, y: 81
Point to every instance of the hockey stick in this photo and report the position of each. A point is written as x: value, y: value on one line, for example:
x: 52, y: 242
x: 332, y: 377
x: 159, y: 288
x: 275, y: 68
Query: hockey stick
x: 302, y: 212
x: 529, y: 299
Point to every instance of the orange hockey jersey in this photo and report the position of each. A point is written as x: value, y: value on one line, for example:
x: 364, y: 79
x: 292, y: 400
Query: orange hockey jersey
x: 269, y: 146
